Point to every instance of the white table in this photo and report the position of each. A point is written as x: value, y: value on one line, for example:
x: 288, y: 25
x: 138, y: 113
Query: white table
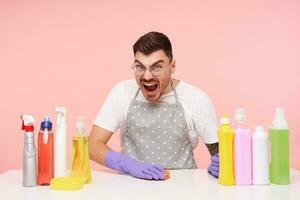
x: 183, y: 185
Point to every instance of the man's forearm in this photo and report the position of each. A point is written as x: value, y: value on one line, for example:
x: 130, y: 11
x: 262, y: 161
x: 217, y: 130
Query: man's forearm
x: 97, y: 141
x: 213, y: 148
x: 97, y: 152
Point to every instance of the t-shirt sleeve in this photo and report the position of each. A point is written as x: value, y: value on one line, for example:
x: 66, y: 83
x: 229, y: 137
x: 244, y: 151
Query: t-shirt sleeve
x: 109, y: 116
x: 205, y: 121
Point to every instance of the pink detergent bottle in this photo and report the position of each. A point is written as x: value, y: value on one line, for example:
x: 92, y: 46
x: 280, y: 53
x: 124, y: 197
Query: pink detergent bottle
x: 242, y: 149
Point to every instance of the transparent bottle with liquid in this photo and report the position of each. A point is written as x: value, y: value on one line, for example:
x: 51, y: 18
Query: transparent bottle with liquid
x: 242, y: 149
x: 80, y: 163
x: 279, y: 137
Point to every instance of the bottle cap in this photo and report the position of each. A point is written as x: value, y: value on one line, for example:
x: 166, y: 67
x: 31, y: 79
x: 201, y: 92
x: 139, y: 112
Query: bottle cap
x: 240, y: 114
x: 259, y: 129
x: 225, y: 119
x: 27, y: 123
x: 46, y: 124
x: 61, y: 115
x: 80, y: 124
x: 279, y: 122
x: 279, y: 113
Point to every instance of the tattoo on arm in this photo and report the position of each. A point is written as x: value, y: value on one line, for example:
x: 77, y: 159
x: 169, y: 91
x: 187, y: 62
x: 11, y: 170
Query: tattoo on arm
x: 213, y: 148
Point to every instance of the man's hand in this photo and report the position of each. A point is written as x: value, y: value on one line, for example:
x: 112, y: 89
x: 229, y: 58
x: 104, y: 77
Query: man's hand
x: 213, y: 168
x: 127, y: 165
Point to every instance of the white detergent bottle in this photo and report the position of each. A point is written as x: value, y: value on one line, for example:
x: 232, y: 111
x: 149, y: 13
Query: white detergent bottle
x: 60, y: 158
x: 260, y: 157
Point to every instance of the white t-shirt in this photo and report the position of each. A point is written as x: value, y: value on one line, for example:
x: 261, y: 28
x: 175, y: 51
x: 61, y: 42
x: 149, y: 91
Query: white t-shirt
x: 199, y: 112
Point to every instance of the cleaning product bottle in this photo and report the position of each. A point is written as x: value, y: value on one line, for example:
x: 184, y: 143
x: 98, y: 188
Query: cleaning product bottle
x: 60, y: 159
x: 242, y: 149
x: 80, y: 163
x: 279, y: 137
x: 29, y: 152
x: 45, y: 153
x: 260, y: 157
x: 225, y: 135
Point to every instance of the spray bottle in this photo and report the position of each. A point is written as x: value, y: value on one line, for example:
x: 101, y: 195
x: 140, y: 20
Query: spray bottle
x: 279, y: 137
x: 60, y: 162
x: 80, y: 163
x: 225, y: 135
x: 29, y: 152
x: 242, y: 149
x: 260, y: 157
x: 45, y: 153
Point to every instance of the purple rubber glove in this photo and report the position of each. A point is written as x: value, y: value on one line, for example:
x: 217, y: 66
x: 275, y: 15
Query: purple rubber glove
x: 127, y: 165
x: 213, y: 168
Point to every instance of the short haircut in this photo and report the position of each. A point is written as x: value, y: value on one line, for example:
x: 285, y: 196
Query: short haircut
x: 153, y: 41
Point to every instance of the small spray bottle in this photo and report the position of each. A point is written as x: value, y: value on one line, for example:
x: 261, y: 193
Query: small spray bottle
x: 80, y: 163
x: 45, y: 153
x: 60, y: 162
x: 29, y: 152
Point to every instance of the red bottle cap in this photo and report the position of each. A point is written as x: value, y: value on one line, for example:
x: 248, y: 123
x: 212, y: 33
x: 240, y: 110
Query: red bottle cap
x: 29, y: 128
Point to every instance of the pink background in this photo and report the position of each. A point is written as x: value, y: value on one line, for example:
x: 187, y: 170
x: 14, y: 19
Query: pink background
x: 72, y: 52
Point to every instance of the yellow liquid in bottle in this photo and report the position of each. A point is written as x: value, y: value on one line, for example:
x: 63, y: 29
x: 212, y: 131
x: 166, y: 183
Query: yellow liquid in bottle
x: 80, y: 163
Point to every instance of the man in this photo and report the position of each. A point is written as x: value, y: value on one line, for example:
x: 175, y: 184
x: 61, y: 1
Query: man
x: 160, y: 118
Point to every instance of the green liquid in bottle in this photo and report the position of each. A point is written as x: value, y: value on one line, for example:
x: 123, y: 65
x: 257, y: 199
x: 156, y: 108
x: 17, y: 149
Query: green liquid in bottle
x: 280, y: 163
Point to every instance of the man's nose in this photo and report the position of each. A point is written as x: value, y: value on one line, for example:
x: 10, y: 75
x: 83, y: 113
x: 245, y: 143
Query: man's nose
x: 148, y: 75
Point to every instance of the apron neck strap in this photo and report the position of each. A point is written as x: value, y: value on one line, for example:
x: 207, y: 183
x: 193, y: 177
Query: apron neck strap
x: 175, y: 93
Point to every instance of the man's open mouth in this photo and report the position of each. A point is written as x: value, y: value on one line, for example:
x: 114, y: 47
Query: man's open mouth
x: 150, y: 87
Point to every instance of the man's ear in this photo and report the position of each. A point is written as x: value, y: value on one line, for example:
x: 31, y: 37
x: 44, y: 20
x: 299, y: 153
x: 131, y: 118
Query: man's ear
x: 173, y: 66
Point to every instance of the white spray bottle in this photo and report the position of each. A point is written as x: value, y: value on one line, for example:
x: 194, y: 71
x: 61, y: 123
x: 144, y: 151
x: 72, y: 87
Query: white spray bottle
x: 60, y: 158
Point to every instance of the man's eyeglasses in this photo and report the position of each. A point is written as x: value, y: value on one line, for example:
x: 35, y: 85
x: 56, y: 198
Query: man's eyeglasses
x: 139, y: 69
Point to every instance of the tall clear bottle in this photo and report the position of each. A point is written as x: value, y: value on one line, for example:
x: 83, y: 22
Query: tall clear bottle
x: 242, y: 149
x: 60, y: 155
x: 279, y: 137
x: 29, y: 152
x: 80, y: 163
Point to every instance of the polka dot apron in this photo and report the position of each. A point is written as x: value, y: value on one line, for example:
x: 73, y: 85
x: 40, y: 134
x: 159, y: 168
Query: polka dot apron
x: 158, y: 134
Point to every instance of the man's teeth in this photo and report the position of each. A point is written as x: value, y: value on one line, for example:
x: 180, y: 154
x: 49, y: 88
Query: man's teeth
x: 149, y: 84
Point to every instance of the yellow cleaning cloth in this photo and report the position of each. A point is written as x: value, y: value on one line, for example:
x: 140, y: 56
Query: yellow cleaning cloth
x: 66, y: 183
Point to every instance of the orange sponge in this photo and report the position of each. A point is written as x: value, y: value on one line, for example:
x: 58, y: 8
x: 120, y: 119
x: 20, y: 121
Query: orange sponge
x: 166, y: 174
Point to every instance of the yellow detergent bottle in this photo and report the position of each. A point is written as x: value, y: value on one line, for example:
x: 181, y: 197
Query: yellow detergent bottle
x: 225, y: 135
x: 80, y: 163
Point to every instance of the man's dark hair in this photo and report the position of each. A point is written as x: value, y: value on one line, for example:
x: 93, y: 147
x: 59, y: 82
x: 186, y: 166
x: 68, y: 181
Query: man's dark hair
x: 153, y: 41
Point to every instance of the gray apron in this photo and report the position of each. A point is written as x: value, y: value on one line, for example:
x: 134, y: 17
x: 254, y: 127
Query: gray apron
x: 158, y: 134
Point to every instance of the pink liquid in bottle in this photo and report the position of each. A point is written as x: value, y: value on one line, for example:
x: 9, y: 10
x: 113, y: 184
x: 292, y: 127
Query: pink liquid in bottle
x: 242, y: 150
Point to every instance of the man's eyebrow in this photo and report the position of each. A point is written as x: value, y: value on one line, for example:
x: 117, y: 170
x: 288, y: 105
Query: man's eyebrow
x: 159, y: 61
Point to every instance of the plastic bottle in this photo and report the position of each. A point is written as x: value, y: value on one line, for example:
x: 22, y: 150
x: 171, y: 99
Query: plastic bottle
x: 260, y: 157
x: 80, y: 163
x: 242, y: 149
x: 29, y: 152
x: 225, y: 135
x: 45, y: 153
x: 279, y: 137
x: 60, y: 159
